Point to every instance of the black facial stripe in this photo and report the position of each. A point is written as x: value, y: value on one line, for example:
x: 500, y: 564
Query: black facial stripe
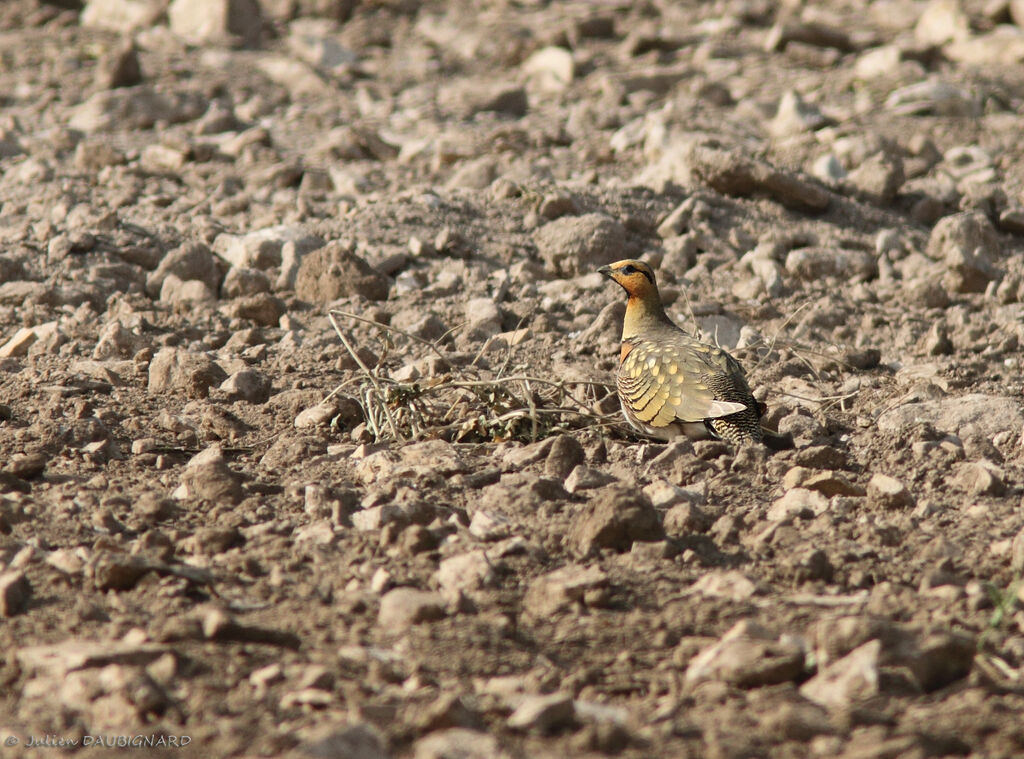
x: 629, y: 270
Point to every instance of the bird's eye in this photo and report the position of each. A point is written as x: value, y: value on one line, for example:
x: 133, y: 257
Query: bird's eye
x: 629, y: 269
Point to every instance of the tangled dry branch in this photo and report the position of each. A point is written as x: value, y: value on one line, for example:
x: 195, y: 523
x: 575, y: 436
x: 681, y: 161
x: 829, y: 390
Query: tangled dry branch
x: 467, y: 403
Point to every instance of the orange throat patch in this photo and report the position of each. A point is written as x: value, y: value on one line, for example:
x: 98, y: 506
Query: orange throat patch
x: 626, y: 348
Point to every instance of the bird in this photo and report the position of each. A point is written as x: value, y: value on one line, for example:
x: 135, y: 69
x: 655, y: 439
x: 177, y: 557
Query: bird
x: 669, y: 382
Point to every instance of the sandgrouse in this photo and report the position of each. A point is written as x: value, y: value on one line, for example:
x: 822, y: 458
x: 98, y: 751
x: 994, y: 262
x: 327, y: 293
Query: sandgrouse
x: 669, y: 382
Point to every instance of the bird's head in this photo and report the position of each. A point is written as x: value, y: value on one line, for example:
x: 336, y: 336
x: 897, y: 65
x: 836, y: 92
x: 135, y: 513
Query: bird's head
x: 635, y: 277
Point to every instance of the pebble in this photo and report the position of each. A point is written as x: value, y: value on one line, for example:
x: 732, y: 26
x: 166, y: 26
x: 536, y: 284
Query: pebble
x: 978, y: 478
x: 575, y: 245
x: 617, y: 517
x: 192, y: 291
x: 464, y: 573
x: 207, y: 476
x: 559, y: 590
x: 192, y: 261
x: 123, y: 16
x: 247, y: 385
x: 487, y: 525
x: 335, y: 271
x: 889, y: 493
x: 263, y: 309
x: 990, y: 415
x: 797, y: 503
x: 15, y: 592
x: 174, y: 370
x: 401, y: 608
x: 263, y: 249
x: 138, y: 107
x: 564, y: 455
x: 747, y: 656
x: 583, y: 477
x: 359, y: 740
x: 544, y: 715
x: 968, y: 246
x: 731, y: 173
x: 848, y: 681
x: 550, y: 69
x: 216, y: 21
x: 794, y: 115
x: 458, y: 743
x: 19, y: 343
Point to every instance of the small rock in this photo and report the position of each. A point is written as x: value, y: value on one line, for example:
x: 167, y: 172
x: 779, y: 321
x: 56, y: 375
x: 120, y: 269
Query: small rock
x: 797, y: 503
x: 319, y: 415
x: 1017, y: 552
x: 968, y: 245
x: 247, y: 385
x: 889, y: 493
x: 877, y: 179
x: 584, y: 477
x: 213, y: 540
x: 794, y: 116
x: 747, y: 656
x: 403, y: 607
x: 558, y: 590
x: 464, y: 573
x: 265, y: 248
x: 685, y: 519
x: 489, y: 525
x: 207, y: 476
x: 990, y: 415
x: 173, y: 370
x: 817, y: 263
x: 564, y: 456
x: 116, y: 571
x: 123, y: 16
x: 216, y: 21
x: 263, y: 309
x: 510, y: 100
x: 848, y: 681
x: 335, y: 271
x: 187, y: 262
x: 117, y: 341
x: 19, y: 343
x: 731, y: 584
x: 219, y: 625
x: 731, y: 173
x: 942, y: 21
x: 830, y: 483
x: 483, y: 314
x: 120, y: 67
x: 241, y: 281
x: 544, y: 715
x: 15, y: 592
x: 458, y: 743
x: 176, y: 290
x: 665, y: 495
x: 978, y: 478
x: 476, y: 174
x: 354, y: 741
x: 614, y: 519
x: 575, y: 245
x: 550, y: 69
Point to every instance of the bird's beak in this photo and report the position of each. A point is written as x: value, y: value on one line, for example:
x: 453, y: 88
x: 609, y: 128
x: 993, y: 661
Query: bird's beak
x: 606, y: 270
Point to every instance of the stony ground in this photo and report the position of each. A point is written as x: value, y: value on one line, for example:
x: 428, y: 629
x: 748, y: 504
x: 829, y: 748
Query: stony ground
x: 307, y: 445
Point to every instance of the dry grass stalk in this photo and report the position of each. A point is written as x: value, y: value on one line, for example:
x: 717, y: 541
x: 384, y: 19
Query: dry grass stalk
x: 467, y: 404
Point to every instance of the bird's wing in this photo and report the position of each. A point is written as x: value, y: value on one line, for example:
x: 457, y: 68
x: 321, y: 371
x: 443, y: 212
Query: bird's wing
x: 663, y: 382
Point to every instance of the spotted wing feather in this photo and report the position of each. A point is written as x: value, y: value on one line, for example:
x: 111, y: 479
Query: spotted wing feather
x: 664, y: 382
